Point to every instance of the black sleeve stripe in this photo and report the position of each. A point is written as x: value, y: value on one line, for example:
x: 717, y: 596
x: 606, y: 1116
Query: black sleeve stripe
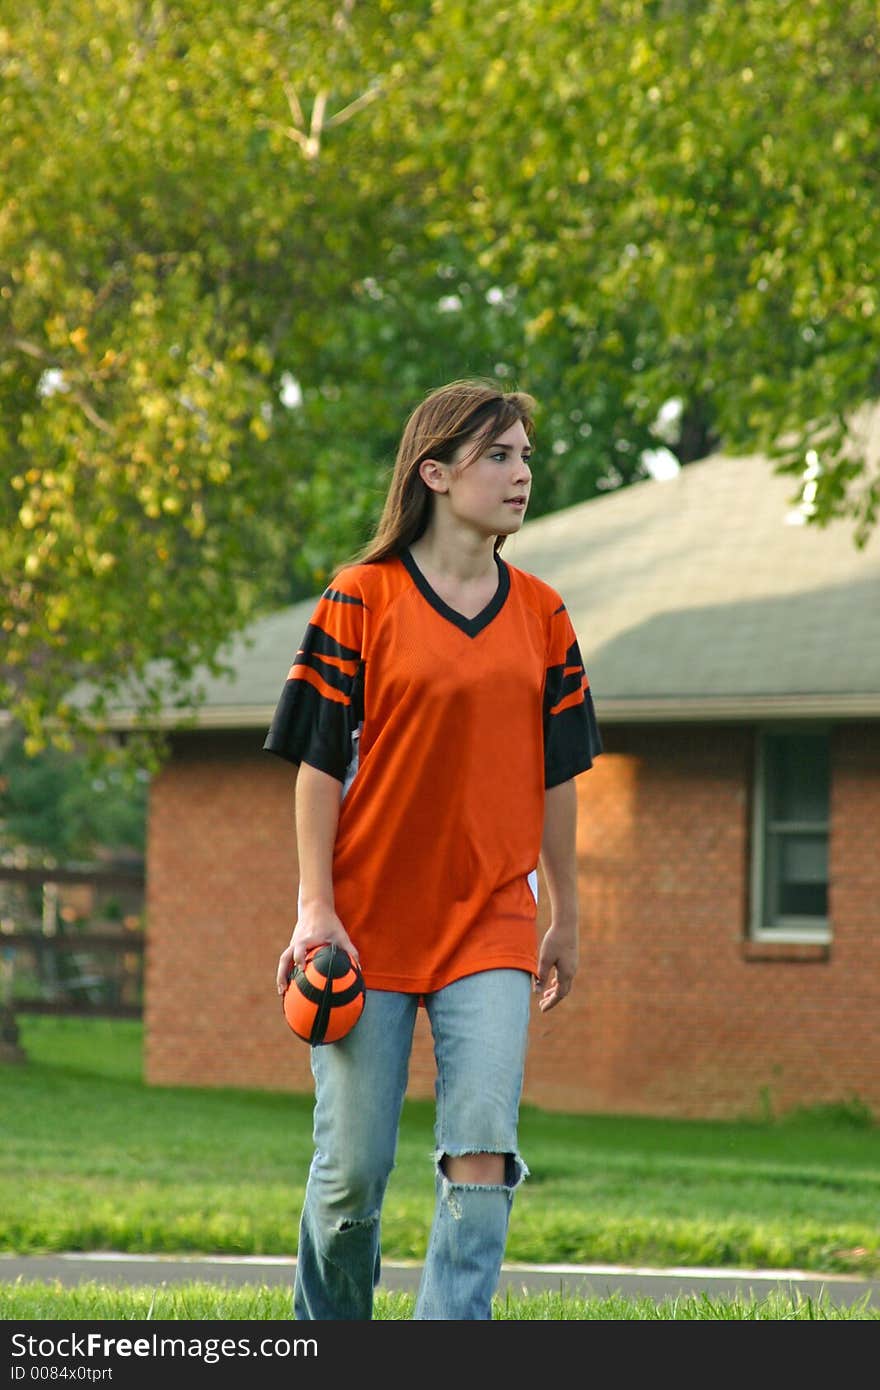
x: 322, y: 644
x: 329, y: 673
x: 336, y: 596
x: 559, y: 684
x: 571, y: 742
x: 308, y: 728
x: 571, y: 733
x: 552, y: 688
x: 568, y: 684
x: 557, y: 611
x: 321, y: 703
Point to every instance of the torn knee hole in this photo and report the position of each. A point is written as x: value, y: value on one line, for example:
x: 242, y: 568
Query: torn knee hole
x: 482, y: 1168
x: 347, y: 1223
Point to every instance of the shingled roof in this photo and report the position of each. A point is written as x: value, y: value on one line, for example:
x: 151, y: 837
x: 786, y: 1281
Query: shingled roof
x: 699, y: 597
x: 708, y: 596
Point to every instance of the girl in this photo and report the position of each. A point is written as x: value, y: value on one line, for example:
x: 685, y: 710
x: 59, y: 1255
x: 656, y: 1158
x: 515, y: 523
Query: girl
x: 437, y: 712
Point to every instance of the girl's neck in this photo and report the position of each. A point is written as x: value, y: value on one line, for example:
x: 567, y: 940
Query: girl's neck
x: 455, y: 555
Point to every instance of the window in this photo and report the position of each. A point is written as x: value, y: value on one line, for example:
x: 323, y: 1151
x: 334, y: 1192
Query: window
x: 790, y: 839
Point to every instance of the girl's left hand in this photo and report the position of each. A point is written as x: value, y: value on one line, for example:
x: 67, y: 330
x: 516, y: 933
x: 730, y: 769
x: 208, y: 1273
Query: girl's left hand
x: 557, y: 965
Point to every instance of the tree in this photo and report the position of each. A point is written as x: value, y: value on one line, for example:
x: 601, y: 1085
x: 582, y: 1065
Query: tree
x: 58, y: 807
x: 683, y: 196
x: 173, y: 248
x: 233, y: 255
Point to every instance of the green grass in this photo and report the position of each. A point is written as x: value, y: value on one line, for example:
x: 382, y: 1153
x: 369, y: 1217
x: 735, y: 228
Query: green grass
x: 91, y: 1158
x: 199, y: 1302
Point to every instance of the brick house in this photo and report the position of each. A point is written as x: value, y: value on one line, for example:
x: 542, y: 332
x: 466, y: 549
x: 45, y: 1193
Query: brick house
x: 728, y: 837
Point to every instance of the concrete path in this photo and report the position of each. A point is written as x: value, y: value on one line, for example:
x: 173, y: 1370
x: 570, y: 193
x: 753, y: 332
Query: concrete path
x: 596, y: 1281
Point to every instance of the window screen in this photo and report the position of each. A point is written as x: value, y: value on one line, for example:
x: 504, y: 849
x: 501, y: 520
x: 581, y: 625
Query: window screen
x: 792, y: 831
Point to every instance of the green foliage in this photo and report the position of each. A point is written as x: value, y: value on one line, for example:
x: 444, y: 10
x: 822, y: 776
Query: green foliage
x: 61, y: 807
x: 235, y: 250
x: 847, y: 1114
x: 170, y: 253
x: 683, y: 198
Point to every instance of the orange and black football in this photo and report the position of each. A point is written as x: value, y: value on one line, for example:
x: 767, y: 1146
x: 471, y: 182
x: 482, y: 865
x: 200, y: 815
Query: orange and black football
x: 324, y: 997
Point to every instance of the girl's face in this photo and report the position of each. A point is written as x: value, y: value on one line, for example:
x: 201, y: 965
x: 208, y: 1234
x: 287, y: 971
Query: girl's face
x: 491, y: 491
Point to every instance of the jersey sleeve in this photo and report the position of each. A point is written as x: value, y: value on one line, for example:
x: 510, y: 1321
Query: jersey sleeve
x: 571, y: 733
x: 321, y: 705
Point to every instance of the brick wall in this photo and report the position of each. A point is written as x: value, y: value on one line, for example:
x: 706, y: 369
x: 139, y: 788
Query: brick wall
x: 673, y: 1012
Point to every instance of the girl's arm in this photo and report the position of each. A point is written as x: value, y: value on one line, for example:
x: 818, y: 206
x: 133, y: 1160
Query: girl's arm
x: 558, y: 956
x: 318, y: 797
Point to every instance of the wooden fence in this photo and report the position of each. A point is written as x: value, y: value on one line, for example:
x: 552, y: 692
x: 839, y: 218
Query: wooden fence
x: 72, y: 940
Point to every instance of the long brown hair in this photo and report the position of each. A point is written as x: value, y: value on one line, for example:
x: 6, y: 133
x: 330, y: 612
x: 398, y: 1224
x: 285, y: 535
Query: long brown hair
x: 472, y: 409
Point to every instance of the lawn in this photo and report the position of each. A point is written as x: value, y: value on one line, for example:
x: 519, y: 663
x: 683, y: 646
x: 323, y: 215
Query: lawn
x: 91, y: 1158
x: 114, y: 1164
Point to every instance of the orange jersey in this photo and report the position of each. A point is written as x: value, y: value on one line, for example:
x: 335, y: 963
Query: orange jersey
x: 445, y: 732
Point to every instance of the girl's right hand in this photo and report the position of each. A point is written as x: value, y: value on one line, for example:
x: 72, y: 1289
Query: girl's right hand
x: 317, y: 926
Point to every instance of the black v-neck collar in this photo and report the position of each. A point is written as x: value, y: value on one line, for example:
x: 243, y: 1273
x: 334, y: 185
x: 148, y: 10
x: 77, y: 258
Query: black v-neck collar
x: 470, y: 626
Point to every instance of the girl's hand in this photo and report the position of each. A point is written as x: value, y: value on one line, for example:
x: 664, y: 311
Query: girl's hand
x: 557, y: 964
x: 317, y: 925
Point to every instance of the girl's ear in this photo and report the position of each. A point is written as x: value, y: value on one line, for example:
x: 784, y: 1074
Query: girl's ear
x: 434, y: 475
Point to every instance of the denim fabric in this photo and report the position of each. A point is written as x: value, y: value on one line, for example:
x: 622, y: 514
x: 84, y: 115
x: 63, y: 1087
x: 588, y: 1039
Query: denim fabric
x: 479, y: 1026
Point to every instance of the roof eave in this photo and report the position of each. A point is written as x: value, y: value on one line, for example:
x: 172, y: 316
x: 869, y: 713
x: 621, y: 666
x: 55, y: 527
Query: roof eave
x: 610, y: 709
x: 628, y: 709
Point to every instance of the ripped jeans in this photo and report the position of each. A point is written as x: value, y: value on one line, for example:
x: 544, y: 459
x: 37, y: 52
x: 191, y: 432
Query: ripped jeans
x: 479, y: 1025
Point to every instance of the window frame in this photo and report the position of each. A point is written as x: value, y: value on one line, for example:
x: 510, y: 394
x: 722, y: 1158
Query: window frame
x: 792, y: 929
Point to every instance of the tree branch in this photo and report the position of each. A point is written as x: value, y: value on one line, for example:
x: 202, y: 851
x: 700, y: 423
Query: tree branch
x: 357, y: 105
x: 91, y: 414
